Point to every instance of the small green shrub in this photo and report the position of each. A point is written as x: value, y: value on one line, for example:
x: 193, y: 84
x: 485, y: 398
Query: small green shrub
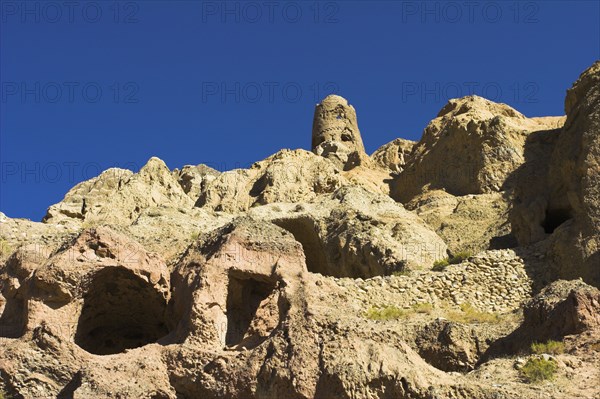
x: 550, y: 347
x: 538, y: 369
x: 194, y: 236
x: 469, y: 314
x: 388, y: 312
x: 440, y: 265
x: 400, y: 273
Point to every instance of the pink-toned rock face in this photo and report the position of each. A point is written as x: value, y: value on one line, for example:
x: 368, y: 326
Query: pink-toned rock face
x: 564, y: 308
x: 102, y: 290
x: 235, y: 278
x: 100, y: 294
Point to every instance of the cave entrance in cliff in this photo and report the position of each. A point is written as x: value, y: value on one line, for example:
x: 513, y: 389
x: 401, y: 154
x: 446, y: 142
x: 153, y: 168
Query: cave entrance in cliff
x: 13, y: 318
x: 304, y: 231
x: 554, y: 218
x: 252, y: 310
x: 120, y: 311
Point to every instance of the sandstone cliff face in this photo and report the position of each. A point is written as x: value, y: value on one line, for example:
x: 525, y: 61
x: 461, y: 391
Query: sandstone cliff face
x: 394, y: 155
x: 355, y: 233
x: 193, y: 179
x: 561, y: 198
x: 470, y: 223
x: 304, y: 276
x: 288, y: 176
x: 460, y: 175
x: 471, y: 147
x: 119, y: 196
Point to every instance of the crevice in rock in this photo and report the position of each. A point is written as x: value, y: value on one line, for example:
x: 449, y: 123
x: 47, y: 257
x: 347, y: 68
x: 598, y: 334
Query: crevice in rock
x: 120, y: 311
x: 304, y: 231
x: 68, y: 391
x: 404, y: 384
x: 253, y: 311
x: 554, y: 218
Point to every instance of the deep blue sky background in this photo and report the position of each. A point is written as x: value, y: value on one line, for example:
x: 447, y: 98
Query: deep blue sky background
x: 162, y: 66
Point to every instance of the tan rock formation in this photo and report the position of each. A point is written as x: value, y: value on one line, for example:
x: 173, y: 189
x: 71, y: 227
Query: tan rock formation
x: 193, y: 179
x: 563, y: 308
x: 119, y: 196
x: 287, y: 176
x: 450, y: 346
x: 241, y: 318
x: 471, y: 147
x: 236, y: 324
x: 470, y: 223
x: 15, y: 233
x: 557, y: 190
x: 394, y: 155
x: 355, y: 233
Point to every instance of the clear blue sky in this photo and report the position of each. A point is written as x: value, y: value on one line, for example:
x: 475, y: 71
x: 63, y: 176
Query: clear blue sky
x: 101, y: 84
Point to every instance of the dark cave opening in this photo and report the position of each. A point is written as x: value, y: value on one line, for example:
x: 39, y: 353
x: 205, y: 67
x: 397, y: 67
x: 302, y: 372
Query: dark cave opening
x: 245, y: 296
x: 120, y: 311
x: 304, y: 231
x: 554, y: 218
x: 13, y: 318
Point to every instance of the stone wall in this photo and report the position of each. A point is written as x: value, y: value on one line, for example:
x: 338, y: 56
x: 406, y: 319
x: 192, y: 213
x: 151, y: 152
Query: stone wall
x: 493, y: 281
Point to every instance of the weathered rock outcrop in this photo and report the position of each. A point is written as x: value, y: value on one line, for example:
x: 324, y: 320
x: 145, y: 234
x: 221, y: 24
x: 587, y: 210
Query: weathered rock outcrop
x: 169, y: 231
x: 155, y: 206
x: 118, y: 196
x: 81, y: 270
x: 288, y: 176
x: 471, y: 223
x: 193, y: 179
x: 101, y: 293
x: 450, y: 346
x: 335, y: 133
x: 394, y: 155
x: 562, y: 198
x: 460, y: 174
x: 563, y: 308
x: 16, y: 233
x: 355, y: 233
x: 239, y: 321
x: 471, y: 147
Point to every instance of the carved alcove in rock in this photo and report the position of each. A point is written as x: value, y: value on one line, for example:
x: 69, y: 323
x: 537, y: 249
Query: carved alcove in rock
x: 253, y: 311
x: 305, y: 232
x: 120, y: 311
x: 13, y: 318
